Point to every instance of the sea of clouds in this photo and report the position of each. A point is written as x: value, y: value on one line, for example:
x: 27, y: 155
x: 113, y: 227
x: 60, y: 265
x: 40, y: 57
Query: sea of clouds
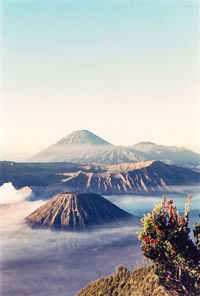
x: 44, y: 262
x: 41, y: 262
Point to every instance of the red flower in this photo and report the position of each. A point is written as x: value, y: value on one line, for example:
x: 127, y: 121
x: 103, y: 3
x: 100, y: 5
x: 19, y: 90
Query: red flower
x: 163, y: 204
x: 144, y: 249
x: 157, y: 227
x: 170, y: 202
x: 172, y: 250
x: 153, y: 241
x: 151, y: 221
x: 145, y: 239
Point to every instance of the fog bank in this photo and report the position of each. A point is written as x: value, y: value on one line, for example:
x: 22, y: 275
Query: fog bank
x: 8, y: 193
x: 41, y: 262
x: 44, y: 262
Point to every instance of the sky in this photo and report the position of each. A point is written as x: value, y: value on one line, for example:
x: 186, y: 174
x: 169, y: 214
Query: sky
x: 127, y: 70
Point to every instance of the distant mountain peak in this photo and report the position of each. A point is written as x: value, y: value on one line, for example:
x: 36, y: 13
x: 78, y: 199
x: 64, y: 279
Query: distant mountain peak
x: 82, y: 137
x: 146, y: 143
x: 83, y: 146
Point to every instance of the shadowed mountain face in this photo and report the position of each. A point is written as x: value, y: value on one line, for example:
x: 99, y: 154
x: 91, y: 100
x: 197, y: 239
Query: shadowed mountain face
x: 76, y: 211
x: 85, y: 147
x: 48, y: 179
x: 149, y: 176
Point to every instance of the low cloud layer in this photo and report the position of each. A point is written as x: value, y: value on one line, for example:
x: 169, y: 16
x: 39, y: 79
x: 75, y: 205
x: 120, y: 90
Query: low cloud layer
x: 38, y: 262
x: 8, y: 193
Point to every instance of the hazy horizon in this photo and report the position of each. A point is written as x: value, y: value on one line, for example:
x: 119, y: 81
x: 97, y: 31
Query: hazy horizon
x: 25, y: 156
x: 125, y: 70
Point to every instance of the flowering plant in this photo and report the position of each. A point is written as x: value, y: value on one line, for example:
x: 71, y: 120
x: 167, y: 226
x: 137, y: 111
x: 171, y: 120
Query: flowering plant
x: 166, y: 242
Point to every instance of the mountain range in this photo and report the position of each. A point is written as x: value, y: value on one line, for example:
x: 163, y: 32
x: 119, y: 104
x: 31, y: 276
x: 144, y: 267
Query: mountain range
x: 48, y: 179
x: 85, y: 147
x: 149, y: 176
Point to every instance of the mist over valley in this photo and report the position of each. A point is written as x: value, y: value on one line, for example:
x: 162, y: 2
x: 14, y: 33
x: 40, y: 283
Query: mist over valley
x: 49, y: 261
x: 63, y: 262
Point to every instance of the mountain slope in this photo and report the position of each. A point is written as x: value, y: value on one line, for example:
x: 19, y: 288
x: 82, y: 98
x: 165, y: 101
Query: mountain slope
x: 85, y: 147
x: 83, y: 137
x: 86, y: 153
x: 79, y: 146
x: 74, y: 211
x: 171, y: 154
x: 142, y: 282
x: 48, y: 179
x: 152, y: 176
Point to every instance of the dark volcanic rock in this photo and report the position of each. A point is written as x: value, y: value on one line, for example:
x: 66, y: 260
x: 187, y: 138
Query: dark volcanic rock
x: 74, y: 211
x: 143, y: 177
x: 48, y: 179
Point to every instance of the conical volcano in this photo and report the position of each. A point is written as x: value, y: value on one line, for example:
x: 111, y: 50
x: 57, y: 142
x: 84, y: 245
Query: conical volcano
x: 83, y: 137
x: 79, y: 146
x: 76, y: 211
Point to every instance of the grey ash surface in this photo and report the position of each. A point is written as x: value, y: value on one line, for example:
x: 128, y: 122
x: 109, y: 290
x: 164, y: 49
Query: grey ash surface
x: 76, y: 211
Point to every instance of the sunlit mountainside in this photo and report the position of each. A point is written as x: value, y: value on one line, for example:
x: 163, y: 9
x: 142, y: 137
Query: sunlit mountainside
x: 141, y: 281
x: 85, y: 147
x: 77, y: 211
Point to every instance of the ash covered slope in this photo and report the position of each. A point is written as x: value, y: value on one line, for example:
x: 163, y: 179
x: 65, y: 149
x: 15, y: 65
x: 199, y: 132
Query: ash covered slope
x: 48, y: 179
x: 150, y: 176
x: 74, y: 211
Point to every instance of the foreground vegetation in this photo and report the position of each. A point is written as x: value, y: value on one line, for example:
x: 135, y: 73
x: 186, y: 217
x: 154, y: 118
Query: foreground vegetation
x: 174, y: 257
x: 142, y: 281
x: 169, y: 247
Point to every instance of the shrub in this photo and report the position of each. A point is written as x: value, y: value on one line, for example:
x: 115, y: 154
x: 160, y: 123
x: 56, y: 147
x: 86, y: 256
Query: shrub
x: 166, y: 242
x: 120, y: 269
x: 196, y: 232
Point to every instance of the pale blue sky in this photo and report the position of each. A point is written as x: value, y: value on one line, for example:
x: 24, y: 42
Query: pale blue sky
x: 126, y: 70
